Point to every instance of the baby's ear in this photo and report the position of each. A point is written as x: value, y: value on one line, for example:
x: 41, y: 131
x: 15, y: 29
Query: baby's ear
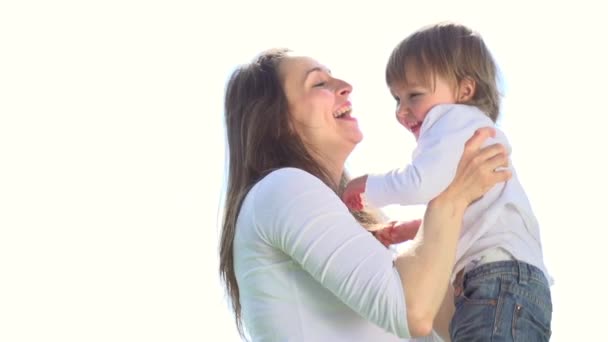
x: 466, y: 89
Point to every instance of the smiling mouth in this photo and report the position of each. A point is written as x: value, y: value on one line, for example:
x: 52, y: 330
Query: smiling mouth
x: 415, y: 128
x: 343, y: 113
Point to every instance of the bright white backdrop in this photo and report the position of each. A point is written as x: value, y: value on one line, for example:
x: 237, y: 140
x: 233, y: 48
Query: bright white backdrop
x: 111, y: 148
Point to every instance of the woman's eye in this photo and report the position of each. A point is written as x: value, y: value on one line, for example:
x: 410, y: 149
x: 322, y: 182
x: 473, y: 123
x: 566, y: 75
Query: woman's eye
x: 320, y: 84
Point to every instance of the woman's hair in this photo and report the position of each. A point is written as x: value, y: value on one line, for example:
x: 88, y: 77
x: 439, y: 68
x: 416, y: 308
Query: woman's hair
x: 451, y: 51
x: 260, y: 140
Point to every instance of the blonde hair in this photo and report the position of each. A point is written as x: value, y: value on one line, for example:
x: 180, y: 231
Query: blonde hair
x: 452, y: 51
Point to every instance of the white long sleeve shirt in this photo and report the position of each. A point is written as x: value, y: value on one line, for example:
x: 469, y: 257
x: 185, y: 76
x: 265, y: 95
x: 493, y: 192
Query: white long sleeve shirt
x: 307, y: 271
x: 502, y: 218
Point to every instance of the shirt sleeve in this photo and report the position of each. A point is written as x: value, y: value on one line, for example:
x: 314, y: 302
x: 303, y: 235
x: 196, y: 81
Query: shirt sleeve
x: 434, y: 162
x: 298, y: 214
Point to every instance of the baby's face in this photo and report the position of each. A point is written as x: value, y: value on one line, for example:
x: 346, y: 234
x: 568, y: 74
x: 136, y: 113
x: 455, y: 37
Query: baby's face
x: 416, y: 98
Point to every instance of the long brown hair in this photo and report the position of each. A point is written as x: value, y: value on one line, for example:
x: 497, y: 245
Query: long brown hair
x: 452, y: 51
x: 260, y: 140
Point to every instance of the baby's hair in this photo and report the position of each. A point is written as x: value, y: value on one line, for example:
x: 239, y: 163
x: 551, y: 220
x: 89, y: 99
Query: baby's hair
x: 452, y: 51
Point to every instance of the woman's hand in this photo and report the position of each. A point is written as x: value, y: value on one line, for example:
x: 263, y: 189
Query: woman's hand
x: 479, y: 169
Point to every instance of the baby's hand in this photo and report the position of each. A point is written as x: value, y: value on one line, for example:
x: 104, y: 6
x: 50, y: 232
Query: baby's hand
x: 352, y: 193
x: 397, y: 232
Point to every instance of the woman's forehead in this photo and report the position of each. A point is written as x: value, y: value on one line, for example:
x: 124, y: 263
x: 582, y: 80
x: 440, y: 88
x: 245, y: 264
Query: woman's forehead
x: 297, y: 67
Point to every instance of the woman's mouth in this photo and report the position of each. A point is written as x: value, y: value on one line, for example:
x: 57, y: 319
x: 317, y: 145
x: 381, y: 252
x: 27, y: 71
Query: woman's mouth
x: 343, y: 113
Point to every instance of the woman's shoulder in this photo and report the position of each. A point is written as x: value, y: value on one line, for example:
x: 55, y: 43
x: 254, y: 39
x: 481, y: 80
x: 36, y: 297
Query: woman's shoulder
x: 286, y: 178
x: 272, y: 194
x: 282, y: 184
x: 284, y: 194
x: 288, y: 172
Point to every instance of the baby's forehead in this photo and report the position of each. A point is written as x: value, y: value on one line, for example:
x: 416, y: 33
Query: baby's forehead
x: 415, y: 76
x: 405, y: 84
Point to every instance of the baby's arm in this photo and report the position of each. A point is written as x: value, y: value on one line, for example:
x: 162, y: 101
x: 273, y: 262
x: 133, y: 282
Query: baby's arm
x: 352, y: 193
x: 435, y: 159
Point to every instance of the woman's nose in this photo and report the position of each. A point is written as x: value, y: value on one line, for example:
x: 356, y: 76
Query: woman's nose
x: 344, y: 88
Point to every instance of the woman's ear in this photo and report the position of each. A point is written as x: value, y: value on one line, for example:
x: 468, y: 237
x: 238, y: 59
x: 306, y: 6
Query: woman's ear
x: 466, y: 89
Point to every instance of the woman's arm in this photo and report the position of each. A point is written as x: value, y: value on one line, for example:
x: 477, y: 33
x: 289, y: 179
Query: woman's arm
x: 296, y: 213
x: 425, y: 268
x: 441, y: 324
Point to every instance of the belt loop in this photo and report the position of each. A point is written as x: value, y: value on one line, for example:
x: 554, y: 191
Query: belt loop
x: 523, y: 273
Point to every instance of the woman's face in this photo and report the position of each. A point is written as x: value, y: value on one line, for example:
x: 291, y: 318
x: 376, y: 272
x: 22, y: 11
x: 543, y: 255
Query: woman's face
x: 319, y: 106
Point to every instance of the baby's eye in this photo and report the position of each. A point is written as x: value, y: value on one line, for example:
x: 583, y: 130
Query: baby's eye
x: 413, y: 95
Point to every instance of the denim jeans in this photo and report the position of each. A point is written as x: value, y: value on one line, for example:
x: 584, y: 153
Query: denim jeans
x: 502, y: 301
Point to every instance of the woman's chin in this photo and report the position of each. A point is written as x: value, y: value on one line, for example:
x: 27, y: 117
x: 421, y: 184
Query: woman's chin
x: 353, y: 142
x: 357, y: 137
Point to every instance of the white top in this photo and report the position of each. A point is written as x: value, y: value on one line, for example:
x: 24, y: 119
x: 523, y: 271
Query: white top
x: 503, y: 218
x: 307, y: 271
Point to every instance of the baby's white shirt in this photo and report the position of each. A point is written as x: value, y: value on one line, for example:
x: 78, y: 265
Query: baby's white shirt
x: 502, y: 218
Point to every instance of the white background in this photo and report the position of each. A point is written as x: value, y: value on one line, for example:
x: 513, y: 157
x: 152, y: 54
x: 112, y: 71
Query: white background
x: 112, y: 158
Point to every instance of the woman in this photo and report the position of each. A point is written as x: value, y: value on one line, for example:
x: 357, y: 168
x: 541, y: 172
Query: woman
x: 296, y: 263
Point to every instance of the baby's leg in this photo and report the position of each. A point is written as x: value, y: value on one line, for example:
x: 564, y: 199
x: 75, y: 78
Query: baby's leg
x: 502, y: 301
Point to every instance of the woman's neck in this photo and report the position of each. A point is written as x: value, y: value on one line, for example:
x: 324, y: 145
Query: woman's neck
x: 334, y: 167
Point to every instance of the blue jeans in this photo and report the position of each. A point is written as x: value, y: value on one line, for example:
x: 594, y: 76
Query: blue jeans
x: 502, y: 301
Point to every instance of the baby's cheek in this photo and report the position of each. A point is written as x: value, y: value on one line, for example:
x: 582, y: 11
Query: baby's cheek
x: 422, y: 112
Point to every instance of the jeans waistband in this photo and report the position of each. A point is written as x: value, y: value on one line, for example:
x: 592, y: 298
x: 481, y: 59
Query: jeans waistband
x: 521, y: 271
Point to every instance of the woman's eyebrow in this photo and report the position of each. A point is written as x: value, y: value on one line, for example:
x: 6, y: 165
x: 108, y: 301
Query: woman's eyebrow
x: 319, y: 69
